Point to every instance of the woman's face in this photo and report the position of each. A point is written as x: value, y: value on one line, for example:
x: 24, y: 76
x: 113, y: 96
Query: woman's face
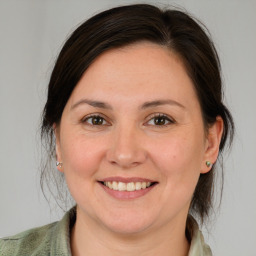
x: 132, y: 140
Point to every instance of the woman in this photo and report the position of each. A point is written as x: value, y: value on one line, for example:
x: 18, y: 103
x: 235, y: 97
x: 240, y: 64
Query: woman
x: 136, y: 122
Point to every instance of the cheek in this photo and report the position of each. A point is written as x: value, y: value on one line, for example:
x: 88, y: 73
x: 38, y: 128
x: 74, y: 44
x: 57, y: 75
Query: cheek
x: 81, y: 155
x: 179, y: 160
x: 178, y: 153
x: 81, y: 158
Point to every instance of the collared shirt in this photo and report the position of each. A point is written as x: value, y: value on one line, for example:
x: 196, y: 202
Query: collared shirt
x: 54, y: 240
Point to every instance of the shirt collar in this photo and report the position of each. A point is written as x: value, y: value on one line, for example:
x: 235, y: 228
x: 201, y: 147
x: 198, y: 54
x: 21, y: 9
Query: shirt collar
x: 62, y: 232
x: 198, y: 247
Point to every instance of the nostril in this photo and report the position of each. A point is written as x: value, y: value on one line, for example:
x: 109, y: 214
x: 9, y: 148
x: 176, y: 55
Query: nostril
x: 126, y: 157
x: 125, y: 164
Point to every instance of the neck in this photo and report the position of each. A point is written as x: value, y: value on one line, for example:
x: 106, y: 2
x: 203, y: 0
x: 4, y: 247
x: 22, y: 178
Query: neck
x: 88, y: 239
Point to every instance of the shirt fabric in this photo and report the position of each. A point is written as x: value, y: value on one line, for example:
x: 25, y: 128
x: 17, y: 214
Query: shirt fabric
x: 54, y: 240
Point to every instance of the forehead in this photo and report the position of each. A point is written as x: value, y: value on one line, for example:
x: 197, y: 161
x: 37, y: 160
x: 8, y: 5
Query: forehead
x: 137, y: 58
x: 139, y: 70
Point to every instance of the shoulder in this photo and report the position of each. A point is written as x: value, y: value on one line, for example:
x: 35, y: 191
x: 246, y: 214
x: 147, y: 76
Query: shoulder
x: 36, y: 241
x: 52, y: 239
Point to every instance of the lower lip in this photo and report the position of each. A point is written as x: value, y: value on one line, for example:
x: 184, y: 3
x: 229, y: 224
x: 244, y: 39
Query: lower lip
x: 124, y: 195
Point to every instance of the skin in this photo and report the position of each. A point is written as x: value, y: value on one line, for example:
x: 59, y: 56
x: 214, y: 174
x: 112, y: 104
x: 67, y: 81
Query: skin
x: 128, y: 143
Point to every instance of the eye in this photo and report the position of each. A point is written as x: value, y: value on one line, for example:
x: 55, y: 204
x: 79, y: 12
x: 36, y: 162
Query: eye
x: 160, y: 120
x: 95, y: 120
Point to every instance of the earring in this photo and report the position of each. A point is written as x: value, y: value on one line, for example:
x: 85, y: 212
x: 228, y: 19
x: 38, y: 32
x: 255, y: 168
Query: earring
x: 59, y: 164
x: 208, y: 164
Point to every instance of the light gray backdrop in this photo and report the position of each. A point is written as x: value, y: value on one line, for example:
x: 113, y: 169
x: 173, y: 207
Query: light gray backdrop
x: 31, y: 34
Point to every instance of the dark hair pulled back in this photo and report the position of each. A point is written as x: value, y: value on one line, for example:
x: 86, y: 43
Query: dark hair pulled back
x: 121, y: 26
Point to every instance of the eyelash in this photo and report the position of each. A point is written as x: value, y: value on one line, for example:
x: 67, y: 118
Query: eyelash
x: 161, y: 116
x: 151, y: 117
x: 99, y: 116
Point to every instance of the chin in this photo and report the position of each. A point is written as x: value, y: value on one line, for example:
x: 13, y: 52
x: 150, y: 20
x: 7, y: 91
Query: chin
x: 127, y: 228
x: 128, y: 224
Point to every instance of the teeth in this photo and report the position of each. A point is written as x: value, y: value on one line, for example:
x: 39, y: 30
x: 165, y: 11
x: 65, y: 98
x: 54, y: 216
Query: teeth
x: 109, y: 184
x: 114, y: 185
x: 121, y: 186
x: 138, y: 185
x: 131, y: 186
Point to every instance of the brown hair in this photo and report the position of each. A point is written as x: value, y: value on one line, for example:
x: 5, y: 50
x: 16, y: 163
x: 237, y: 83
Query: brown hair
x: 125, y: 25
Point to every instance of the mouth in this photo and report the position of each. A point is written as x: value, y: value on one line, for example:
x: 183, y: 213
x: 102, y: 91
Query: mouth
x: 128, y: 186
x: 123, y: 188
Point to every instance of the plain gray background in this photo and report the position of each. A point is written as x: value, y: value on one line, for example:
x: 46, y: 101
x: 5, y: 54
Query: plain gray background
x: 31, y: 34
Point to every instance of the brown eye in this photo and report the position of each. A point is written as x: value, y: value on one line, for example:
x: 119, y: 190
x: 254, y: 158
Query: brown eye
x: 95, y: 120
x: 160, y: 120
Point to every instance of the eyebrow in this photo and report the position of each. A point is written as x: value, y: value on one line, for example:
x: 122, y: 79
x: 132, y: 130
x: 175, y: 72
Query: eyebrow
x: 157, y: 103
x: 149, y: 104
x: 93, y: 103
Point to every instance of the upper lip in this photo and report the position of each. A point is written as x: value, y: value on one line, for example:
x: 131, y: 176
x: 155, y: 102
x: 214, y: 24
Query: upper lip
x: 127, y: 179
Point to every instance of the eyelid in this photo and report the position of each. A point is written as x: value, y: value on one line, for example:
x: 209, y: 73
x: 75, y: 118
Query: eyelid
x: 148, y: 118
x: 83, y: 120
x: 154, y: 115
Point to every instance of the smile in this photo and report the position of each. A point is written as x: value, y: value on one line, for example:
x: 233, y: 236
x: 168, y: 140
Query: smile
x: 131, y: 186
x: 127, y: 188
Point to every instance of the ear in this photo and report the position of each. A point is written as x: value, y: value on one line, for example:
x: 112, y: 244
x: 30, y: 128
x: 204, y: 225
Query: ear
x: 212, y: 144
x: 56, y: 130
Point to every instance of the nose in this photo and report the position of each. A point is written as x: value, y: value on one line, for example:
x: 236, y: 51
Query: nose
x: 126, y: 148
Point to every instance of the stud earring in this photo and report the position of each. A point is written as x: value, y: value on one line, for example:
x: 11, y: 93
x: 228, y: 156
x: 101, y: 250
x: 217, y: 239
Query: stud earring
x: 208, y: 164
x: 59, y: 164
